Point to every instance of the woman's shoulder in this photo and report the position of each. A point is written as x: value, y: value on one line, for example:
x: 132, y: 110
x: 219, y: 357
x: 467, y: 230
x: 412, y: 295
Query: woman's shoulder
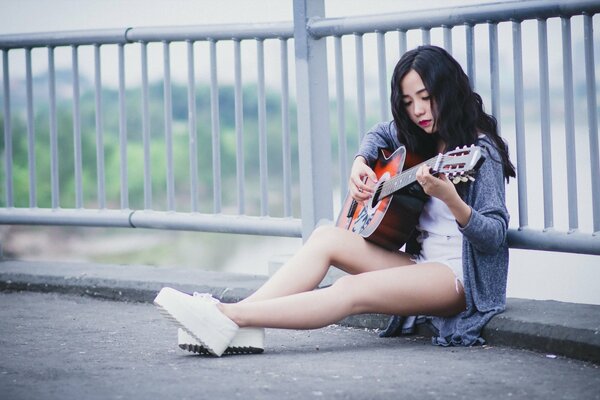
x: 488, y: 146
x: 387, y: 128
x: 492, y: 160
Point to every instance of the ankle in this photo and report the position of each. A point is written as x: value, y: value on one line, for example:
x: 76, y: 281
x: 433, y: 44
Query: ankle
x: 229, y: 311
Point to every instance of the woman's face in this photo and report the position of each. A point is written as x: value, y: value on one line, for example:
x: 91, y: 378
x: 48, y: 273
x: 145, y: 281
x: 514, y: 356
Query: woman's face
x: 417, y: 101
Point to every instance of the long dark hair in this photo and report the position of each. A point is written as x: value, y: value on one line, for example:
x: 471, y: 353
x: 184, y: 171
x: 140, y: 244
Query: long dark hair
x: 457, y: 110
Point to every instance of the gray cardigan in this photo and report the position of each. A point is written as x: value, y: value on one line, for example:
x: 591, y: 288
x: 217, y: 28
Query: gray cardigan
x: 485, y: 248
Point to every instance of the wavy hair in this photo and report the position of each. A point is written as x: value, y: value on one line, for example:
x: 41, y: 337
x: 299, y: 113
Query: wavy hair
x: 457, y: 110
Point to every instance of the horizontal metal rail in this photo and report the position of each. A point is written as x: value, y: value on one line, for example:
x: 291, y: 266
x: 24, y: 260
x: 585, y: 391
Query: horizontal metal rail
x: 289, y: 227
x: 451, y: 16
x: 571, y: 242
x: 275, y: 30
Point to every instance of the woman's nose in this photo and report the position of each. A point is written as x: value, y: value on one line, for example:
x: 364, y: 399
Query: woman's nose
x: 419, y: 109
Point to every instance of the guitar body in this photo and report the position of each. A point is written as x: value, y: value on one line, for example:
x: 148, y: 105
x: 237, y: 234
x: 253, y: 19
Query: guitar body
x: 389, y: 221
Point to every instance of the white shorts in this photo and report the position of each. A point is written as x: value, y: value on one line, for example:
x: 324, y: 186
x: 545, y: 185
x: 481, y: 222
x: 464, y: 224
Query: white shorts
x: 446, y: 250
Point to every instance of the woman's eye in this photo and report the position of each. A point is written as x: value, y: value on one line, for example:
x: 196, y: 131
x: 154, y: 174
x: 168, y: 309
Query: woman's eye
x: 427, y: 98
x: 407, y: 103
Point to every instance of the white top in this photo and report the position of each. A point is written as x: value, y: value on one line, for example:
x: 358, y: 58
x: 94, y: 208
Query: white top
x: 436, y: 218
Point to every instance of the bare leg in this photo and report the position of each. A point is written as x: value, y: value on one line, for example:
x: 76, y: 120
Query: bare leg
x: 427, y: 288
x: 327, y: 246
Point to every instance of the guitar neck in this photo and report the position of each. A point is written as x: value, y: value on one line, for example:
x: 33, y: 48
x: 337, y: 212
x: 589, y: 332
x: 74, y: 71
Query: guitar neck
x: 404, y: 178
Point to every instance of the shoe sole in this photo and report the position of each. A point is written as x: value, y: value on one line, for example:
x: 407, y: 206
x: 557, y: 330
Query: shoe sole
x: 197, y: 321
x: 246, y: 341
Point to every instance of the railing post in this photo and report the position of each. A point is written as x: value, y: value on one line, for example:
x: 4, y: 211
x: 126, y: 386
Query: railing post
x: 314, y: 139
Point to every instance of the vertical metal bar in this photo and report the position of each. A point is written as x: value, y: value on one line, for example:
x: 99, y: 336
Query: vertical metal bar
x: 447, y: 38
x: 495, y: 71
x: 123, y: 130
x: 215, y: 127
x: 7, y: 130
x: 99, y: 128
x: 285, y: 128
x: 262, y: 130
x: 239, y: 127
x: 193, y: 143
x: 77, y: 129
x: 146, y: 128
x: 470, y: 54
x: 401, y: 43
x: 168, y: 111
x: 590, y: 79
x: 567, y: 57
x: 54, y: 184
x: 360, y: 86
x: 383, y: 82
x: 426, y: 36
x: 341, y: 117
x: 520, y: 123
x: 314, y: 139
x: 545, y: 124
x: 30, y: 132
x: 8, y: 148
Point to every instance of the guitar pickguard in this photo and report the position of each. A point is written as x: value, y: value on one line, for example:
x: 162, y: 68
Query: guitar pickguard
x: 368, y: 211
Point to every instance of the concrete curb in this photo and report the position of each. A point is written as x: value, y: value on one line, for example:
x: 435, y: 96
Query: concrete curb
x: 557, y: 328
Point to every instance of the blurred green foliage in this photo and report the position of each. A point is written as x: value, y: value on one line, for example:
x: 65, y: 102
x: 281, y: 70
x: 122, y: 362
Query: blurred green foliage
x: 109, y: 121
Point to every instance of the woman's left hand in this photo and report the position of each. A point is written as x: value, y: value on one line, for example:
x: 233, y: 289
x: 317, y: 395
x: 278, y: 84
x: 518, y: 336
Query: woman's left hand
x: 437, y: 186
x: 442, y: 188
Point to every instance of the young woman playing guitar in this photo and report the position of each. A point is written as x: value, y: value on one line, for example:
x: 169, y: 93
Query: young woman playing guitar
x: 454, y: 265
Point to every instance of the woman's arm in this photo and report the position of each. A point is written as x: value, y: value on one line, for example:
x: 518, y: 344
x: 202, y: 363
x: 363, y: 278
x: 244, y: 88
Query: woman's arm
x: 381, y: 136
x: 488, y: 225
x: 484, y: 220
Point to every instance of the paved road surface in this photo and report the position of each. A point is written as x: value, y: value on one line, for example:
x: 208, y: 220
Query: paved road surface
x: 56, y: 346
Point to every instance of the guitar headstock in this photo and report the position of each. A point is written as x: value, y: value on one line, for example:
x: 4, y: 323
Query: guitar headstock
x: 459, y: 164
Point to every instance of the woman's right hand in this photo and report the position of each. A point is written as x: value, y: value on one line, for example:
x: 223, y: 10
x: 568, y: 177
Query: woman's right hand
x: 359, y: 186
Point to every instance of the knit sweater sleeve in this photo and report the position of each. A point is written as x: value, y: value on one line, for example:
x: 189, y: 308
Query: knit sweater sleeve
x: 486, y: 229
x: 381, y: 136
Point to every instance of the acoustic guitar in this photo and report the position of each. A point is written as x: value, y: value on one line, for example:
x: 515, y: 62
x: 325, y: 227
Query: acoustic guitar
x: 389, y: 218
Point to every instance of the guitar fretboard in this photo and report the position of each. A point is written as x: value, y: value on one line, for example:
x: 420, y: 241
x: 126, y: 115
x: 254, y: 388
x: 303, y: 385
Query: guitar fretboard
x: 403, y: 179
x: 452, y: 163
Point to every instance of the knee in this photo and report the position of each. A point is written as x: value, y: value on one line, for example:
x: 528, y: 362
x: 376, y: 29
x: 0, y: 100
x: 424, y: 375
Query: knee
x: 346, y: 287
x: 353, y: 293
x: 323, y: 232
x: 323, y: 236
x: 345, y: 283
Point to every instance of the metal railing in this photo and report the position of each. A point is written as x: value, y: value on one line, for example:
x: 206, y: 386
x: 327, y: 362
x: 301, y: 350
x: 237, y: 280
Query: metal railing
x: 528, y: 112
x: 149, y: 216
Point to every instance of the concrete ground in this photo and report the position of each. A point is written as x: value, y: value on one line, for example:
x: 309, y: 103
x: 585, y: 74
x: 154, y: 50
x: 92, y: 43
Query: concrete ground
x: 64, y: 346
x: 553, y: 327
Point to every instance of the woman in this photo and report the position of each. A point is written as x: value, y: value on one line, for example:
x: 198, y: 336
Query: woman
x: 455, y: 267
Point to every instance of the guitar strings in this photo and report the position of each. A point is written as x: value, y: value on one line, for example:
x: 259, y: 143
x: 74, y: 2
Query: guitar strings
x: 411, y: 171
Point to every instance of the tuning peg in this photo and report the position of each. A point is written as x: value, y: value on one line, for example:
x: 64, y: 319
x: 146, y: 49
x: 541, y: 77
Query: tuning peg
x: 469, y: 177
x: 464, y: 178
x: 456, y: 180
